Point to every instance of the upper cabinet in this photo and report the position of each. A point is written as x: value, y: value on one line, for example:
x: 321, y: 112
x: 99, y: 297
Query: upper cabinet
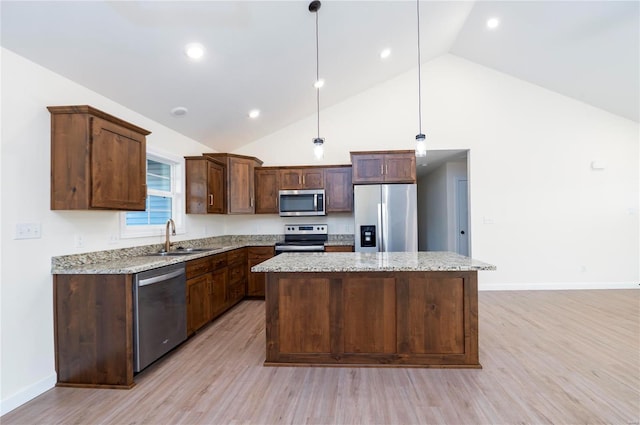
x: 98, y: 161
x: 205, y: 186
x: 301, y: 178
x: 267, y: 184
x: 384, y: 167
x: 338, y: 189
x: 240, y: 186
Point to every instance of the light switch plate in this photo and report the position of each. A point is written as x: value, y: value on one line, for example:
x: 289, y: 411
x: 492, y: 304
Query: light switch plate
x: 27, y: 231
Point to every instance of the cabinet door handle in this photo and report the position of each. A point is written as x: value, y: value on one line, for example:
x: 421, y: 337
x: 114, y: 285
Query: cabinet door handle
x: 386, y: 168
x: 299, y: 182
x: 251, y: 202
x: 303, y: 182
x: 382, y: 169
x: 211, y: 199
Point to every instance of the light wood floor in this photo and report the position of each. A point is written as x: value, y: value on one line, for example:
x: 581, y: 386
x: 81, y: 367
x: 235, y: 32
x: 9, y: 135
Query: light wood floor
x: 561, y: 357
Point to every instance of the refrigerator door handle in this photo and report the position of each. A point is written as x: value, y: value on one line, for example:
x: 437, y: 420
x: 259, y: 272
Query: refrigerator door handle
x: 379, y: 236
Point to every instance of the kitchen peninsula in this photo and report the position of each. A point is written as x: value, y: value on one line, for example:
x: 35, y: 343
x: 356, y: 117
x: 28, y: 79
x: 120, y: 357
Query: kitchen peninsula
x: 399, y: 309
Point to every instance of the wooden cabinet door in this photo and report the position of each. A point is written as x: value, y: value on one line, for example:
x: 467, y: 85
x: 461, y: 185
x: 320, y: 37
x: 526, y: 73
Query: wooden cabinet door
x: 400, y: 168
x: 290, y: 179
x: 338, y: 248
x: 215, y: 188
x: 118, y: 167
x: 312, y: 178
x: 198, y: 302
x: 219, y: 279
x: 338, y: 189
x: 241, y: 189
x: 267, y: 183
x: 368, y: 168
x: 256, y: 281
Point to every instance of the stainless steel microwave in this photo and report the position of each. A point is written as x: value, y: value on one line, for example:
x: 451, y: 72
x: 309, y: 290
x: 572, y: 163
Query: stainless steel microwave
x: 301, y: 202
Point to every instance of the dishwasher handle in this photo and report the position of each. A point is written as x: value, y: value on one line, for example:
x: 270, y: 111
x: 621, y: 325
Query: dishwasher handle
x: 161, y: 278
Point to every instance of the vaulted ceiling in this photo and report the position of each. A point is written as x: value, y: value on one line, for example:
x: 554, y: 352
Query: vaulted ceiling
x: 261, y: 54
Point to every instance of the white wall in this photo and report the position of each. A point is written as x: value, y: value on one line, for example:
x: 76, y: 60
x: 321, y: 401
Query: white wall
x: 27, y: 357
x: 538, y: 211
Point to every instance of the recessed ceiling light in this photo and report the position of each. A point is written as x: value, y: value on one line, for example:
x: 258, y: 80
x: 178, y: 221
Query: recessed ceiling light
x: 318, y: 84
x: 194, y: 51
x: 493, y: 23
x: 254, y: 113
x: 179, y: 111
x: 385, y: 53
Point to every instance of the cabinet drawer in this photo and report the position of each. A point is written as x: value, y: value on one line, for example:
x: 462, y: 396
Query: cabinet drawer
x: 237, y: 256
x: 198, y: 267
x: 261, y: 252
x: 218, y: 261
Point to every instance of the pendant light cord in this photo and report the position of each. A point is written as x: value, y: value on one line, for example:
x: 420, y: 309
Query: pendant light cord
x: 419, y: 73
x: 317, y: 74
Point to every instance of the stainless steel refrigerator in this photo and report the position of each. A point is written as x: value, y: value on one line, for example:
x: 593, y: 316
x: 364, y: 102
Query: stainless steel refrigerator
x: 386, y: 217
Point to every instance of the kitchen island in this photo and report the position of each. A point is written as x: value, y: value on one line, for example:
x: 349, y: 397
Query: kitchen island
x: 402, y: 309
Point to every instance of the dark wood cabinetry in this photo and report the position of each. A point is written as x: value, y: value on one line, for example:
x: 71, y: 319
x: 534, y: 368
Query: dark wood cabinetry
x: 240, y: 187
x: 267, y: 182
x: 206, y: 290
x: 205, y: 186
x: 384, y: 167
x: 338, y: 189
x: 301, y: 178
x: 98, y: 161
x: 237, y: 263
x: 338, y: 248
x: 426, y: 319
x: 93, y: 330
x: 256, y: 281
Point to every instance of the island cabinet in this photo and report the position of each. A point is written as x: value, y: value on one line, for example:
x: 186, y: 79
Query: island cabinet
x: 240, y: 188
x: 93, y: 330
x: 98, y: 161
x: 384, y: 167
x: 426, y: 319
x: 301, y: 178
x: 338, y: 248
x: 205, y: 185
x: 267, y: 180
x: 206, y: 290
x: 338, y: 189
x: 256, y: 281
x: 237, y: 264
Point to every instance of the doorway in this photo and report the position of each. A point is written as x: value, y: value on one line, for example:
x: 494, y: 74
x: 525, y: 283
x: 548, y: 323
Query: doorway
x: 443, y: 201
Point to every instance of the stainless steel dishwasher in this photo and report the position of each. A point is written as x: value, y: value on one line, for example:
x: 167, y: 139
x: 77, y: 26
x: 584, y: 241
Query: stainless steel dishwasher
x: 160, y: 313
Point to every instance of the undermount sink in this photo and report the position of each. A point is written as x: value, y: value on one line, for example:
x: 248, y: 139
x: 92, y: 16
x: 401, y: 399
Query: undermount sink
x: 182, y: 251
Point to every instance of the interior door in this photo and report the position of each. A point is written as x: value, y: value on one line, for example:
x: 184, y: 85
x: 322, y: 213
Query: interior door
x: 462, y: 212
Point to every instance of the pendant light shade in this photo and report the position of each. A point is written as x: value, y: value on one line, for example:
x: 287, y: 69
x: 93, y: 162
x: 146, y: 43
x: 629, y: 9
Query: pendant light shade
x: 421, y: 143
x: 318, y: 142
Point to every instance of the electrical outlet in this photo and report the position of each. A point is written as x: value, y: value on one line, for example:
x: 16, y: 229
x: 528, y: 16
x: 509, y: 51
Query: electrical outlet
x: 79, y: 241
x: 113, y: 239
x: 27, y: 231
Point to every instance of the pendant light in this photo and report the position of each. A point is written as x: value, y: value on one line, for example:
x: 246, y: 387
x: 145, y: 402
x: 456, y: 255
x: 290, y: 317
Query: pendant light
x: 318, y: 142
x: 421, y: 144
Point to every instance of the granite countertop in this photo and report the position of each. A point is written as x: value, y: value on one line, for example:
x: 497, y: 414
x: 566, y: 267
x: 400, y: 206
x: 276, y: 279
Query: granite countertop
x: 139, y: 259
x: 370, y: 262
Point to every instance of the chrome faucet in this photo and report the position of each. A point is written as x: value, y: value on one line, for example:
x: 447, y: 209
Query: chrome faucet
x: 167, y: 242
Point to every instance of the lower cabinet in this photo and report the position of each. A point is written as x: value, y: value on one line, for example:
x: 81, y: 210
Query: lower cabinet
x: 256, y: 281
x: 237, y: 264
x: 206, y: 290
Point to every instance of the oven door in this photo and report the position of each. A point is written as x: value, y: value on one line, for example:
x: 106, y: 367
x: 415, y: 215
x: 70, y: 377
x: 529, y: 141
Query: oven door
x: 301, y: 203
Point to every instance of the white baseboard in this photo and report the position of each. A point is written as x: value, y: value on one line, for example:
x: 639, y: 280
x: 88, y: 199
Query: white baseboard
x: 26, y: 394
x: 550, y: 286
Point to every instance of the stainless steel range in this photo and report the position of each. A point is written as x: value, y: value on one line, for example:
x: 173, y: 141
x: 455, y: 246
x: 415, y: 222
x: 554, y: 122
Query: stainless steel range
x: 303, y: 238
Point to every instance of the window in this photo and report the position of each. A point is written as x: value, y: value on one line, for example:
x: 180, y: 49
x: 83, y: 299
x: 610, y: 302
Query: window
x: 164, y: 200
